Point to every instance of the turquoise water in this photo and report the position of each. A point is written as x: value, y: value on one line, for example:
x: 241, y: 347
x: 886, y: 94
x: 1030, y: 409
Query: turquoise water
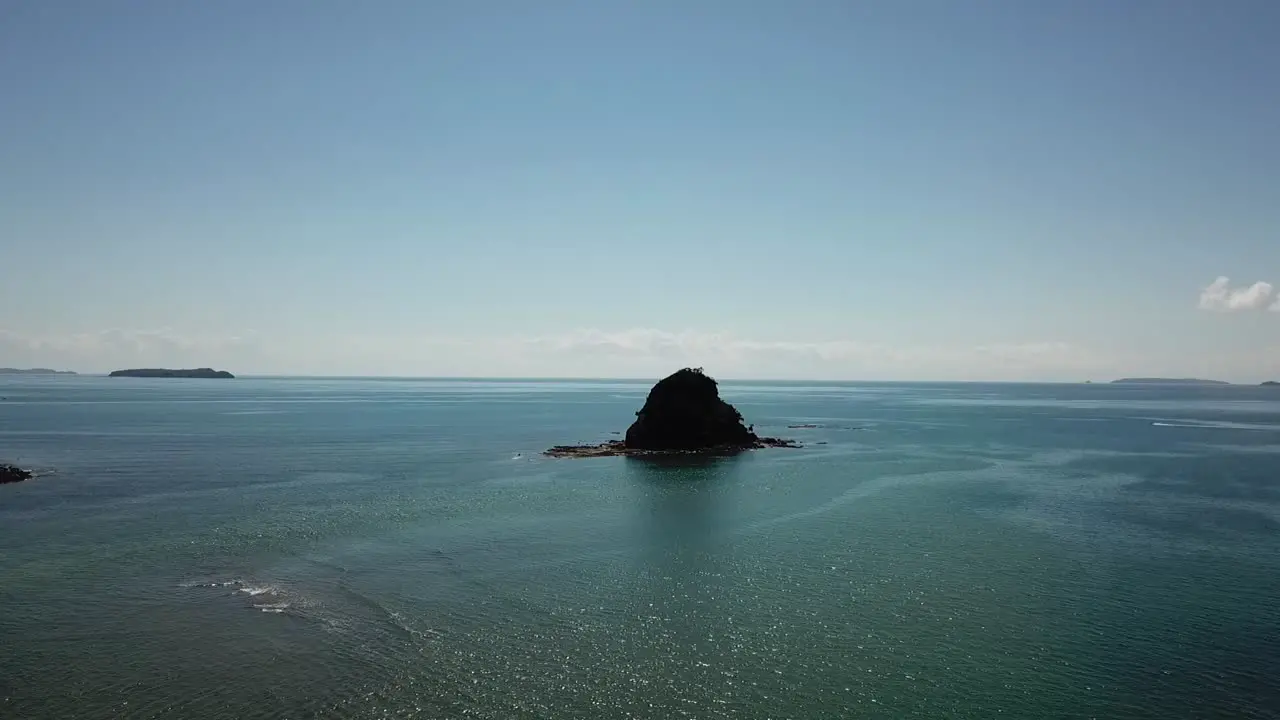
x: 368, y: 549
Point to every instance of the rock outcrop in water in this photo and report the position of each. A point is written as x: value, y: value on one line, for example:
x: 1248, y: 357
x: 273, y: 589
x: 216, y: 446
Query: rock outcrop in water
x: 682, y: 414
x: 203, y: 373
x: 11, y: 474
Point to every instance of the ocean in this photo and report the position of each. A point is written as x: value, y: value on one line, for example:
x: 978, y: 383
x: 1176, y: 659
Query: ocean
x: 307, y: 548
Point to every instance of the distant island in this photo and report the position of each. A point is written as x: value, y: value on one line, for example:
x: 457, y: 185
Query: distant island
x: 203, y: 373
x: 34, y: 371
x: 1169, y: 381
x: 1271, y: 383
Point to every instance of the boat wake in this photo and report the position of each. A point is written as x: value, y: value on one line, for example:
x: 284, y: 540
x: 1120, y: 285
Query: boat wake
x: 261, y: 597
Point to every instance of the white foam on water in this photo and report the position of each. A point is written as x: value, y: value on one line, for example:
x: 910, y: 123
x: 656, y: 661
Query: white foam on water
x: 1218, y: 425
x: 262, y: 597
x: 209, y: 584
x: 401, y: 622
x: 1244, y: 448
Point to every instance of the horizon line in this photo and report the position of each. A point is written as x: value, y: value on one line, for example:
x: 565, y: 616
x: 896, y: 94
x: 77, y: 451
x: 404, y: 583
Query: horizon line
x: 635, y: 379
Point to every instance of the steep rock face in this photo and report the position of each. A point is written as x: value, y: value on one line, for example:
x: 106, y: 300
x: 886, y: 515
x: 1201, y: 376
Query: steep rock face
x: 684, y: 412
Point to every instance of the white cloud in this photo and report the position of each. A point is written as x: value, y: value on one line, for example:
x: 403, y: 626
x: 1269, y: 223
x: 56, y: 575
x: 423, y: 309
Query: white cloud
x: 114, y: 349
x: 1221, y: 297
x: 649, y: 352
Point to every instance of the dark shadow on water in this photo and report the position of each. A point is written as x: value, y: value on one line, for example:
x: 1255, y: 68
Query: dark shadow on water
x: 683, y: 497
x: 683, y: 552
x: 667, y: 468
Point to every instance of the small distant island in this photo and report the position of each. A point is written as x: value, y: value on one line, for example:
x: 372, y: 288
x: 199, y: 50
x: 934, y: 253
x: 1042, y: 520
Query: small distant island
x: 202, y: 373
x: 34, y: 371
x: 1271, y: 383
x: 1168, y: 381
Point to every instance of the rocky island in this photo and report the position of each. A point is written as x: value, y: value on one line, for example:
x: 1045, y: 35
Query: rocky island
x: 203, y: 373
x: 11, y: 474
x: 683, y: 414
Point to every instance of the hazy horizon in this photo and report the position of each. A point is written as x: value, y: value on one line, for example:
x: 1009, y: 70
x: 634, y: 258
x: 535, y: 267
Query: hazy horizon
x: 651, y: 379
x: 1052, y: 191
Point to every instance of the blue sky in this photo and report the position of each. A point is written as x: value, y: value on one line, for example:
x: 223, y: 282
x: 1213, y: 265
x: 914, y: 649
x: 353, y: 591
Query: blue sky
x: 927, y: 189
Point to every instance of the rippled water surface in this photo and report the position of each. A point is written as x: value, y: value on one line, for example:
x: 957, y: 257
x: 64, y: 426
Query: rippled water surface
x: 369, y: 549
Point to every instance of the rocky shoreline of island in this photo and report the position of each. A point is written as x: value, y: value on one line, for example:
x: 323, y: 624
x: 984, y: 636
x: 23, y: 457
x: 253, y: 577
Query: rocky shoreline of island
x: 682, y: 415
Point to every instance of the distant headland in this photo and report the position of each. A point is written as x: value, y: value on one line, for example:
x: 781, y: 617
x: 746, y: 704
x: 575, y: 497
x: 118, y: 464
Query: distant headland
x: 1271, y: 383
x: 34, y: 371
x: 1168, y: 381
x: 203, y: 373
